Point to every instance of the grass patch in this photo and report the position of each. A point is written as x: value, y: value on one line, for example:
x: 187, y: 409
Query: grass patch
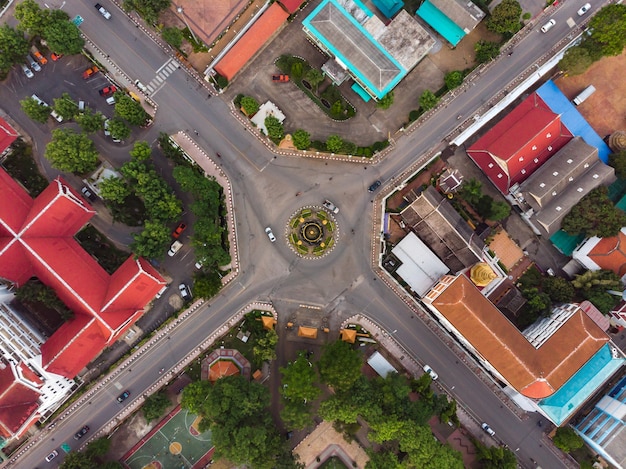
x: 22, y: 167
x: 306, y: 213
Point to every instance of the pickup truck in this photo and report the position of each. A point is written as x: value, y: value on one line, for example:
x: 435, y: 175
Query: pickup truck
x: 281, y: 78
x: 103, y: 11
x: 38, y: 56
x: 90, y: 72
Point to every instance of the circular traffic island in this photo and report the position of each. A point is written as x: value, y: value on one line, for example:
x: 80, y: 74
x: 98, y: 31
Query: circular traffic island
x: 312, y: 232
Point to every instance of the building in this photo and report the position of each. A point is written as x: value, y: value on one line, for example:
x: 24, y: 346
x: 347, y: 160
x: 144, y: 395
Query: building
x: 553, y: 367
x: 7, y: 135
x: 375, y: 55
x: 452, y: 19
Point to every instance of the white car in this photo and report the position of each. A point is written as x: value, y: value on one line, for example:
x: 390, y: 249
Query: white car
x: 111, y: 100
x: 27, y: 71
x: 103, y: 11
x: 174, y: 248
x: 584, y: 9
x: 331, y: 206
x: 52, y: 455
x: 488, y: 429
x: 270, y: 235
x: 548, y: 26
x: 56, y: 116
x: 184, y: 291
x: 431, y: 372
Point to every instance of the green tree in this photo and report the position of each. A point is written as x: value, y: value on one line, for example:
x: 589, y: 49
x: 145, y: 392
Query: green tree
x: 575, y: 61
x: 118, y: 128
x: 384, y: 459
x: 63, y: 36
x: 567, y: 439
x: 337, y: 108
x: 453, y: 79
x: 173, y: 36
x: 207, y: 285
x: 314, y: 77
x: 297, y: 415
x: 66, y: 106
x: 428, y: 100
x: 249, y: 105
x: 36, y: 111
x: 129, y: 109
x: 275, y: 129
x: 597, y: 280
x: 152, y: 242
x: 605, y: 302
x: 114, y: 189
x: 499, y: 210
x: 76, y: 460
x: 340, y: 365
x: 90, y: 122
x: 386, y: 101
x: 149, y: 10
x: 265, y: 347
x: 339, y: 407
x: 334, y: 143
x: 155, y: 406
x: 141, y: 151
x: 98, y: 448
x: 471, y: 191
x: 486, y: 51
x: 595, y: 215
x: 496, y: 457
x: 71, y: 152
x: 301, y: 139
x: 618, y: 161
x: 538, y: 302
x: 32, y: 19
x: 558, y: 289
x: 297, y: 68
x: 505, y: 18
x: 13, y: 47
x: 608, y: 29
x: 298, y: 380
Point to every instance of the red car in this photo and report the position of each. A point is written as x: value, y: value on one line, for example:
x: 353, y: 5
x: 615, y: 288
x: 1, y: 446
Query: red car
x: 282, y: 78
x: 90, y: 72
x: 179, y: 230
x: 108, y: 90
x: 56, y: 56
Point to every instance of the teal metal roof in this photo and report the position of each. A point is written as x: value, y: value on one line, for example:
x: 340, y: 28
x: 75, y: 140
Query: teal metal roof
x: 447, y: 28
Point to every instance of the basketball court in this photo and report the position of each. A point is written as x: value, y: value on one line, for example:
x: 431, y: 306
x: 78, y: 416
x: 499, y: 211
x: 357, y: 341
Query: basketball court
x: 174, y: 442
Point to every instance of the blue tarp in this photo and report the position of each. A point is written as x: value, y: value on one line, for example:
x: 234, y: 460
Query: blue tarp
x: 571, y: 118
x: 450, y: 31
x: 388, y: 7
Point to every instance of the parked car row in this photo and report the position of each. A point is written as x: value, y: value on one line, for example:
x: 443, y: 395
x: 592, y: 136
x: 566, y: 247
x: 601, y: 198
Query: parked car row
x: 34, y: 61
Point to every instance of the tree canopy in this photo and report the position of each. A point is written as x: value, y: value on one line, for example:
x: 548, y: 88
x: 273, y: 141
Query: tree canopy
x: 301, y: 139
x: 63, y: 36
x: 71, y: 152
x: 334, y: 143
x: 618, y: 161
x: 66, y: 106
x: 129, y: 109
x: 386, y: 101
x: 567, y: 439
x: 275, y: 129
x: 453, y: 79
x: 35, y: 110
x: 249, y: 105
x: 13, y: 47
x: 148, y: 9
x: 298, y: 381
x: 575, y: 61
x: 340, y: 365
x: 90, y: 122
x: 32, y: 19
x: 595, y: 215
x: 486, y: 51
x: 428, y: 100
x: 505, y: 18
x: 608, y: 29
x: 155, y: 406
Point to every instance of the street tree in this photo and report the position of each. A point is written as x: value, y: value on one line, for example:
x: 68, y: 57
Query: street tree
x: 152, y: 242
x: 566, y: 439
x: 65, y: 106
x: 90, y: 122
x: 386, y: 101
x: 486, y: 51
x: 149, y: 10
x: 618, y: 161
x: 298, y: 381
x: 63, y: 36
x: 35, y: 110
x: 98, y: 448
x: 129, y: 109
x: 206, y: 284
x: 71, y: 152
x: 118, y: 128
x: 505, y: 18
x: 155, y: 406
x: 275, y: 129
x: 141, y: 151
x: 428, y: 100
x: 340, y: 365
x: 314, y: 77
x: 173, y: 36
x: 249, y: 105
x: 575, y: 61
x: 495, y: 457
x: 334, y: 143
x: 301, y: 139
x: 76, y: 460
x: 265, y: 348
x: 114, y: 189
x: 595, y: 215
x: 453, y: 79
x: 32, y: 19
x: 13, y: 47
x: 608, y: 29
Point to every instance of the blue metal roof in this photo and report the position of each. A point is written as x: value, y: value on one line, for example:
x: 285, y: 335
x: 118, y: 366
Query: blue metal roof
x: 571, y: 118
x: 388, y: 7
x: 450, y: 31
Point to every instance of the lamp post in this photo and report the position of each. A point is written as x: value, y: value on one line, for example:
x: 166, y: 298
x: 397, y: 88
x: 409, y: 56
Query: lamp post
x: 181, y: 12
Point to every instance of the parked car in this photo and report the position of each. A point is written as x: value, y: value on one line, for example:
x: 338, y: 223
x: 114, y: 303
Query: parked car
x: 374, y: 186
x: 54, y: 56
x: 487, y: 429
x: 39, y: 101
x: 122, y: 397
x: 33, y: 63
x: 108, y: 90
x: 27, y: 71
x: 81, y: 433
x: 111, y: 100
x: 56, y: 116
x: 161, y: 291
x: 90, y: 72
x: 38, y: 55
x: 174, y: 248
x: 179, y: 230
x: 281, y: 78
x: 270, y: 235
x: 107, y: 133
x: 52, y: 455
x: 87, y: 193
x: 548, y: 26
x: 331, y: 206
x: 584, y: 9
x: 184, y: 291
x: 431, y: 372
x: 103, y: 11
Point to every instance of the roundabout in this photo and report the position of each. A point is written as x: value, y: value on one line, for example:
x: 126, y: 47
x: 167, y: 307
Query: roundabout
x: 312, y: 232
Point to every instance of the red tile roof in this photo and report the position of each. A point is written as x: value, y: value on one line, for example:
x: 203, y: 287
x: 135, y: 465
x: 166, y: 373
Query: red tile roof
x: 36, y: 239
x: 520, y: 143
x: 610, y: 253
x: 534, y: 372
x: 252, y: 41
x: 291, y: 5
x: 7, y: 135
x: 18, y: 404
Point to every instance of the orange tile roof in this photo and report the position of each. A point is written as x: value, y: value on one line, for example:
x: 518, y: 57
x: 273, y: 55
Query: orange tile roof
x: 610, y: 253
x: 535, y: 373
x: 252, y: 41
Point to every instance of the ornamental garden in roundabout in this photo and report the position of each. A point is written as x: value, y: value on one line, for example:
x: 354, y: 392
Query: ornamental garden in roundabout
x: 312, y: 232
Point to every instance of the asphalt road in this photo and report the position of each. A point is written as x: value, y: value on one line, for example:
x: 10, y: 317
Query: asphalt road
x: 264, y: 195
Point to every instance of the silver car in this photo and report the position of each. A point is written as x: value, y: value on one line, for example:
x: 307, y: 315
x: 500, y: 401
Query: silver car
x: 27, y: 71
x: 270, y: 235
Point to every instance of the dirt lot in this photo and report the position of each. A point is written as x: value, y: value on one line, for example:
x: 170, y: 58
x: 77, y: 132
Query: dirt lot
x: 605, y: 110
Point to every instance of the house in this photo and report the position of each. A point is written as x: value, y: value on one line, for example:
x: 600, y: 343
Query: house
x: 452, y: 19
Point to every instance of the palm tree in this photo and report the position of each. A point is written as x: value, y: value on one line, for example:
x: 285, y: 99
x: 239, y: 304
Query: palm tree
x: 314, y: 77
